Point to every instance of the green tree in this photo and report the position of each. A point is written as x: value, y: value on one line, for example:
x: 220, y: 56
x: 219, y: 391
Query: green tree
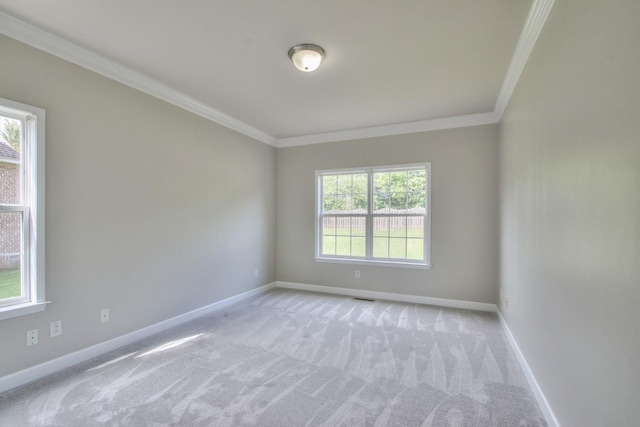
x: 399, y: 190
x: 344, y: 192
x: 11, y: 133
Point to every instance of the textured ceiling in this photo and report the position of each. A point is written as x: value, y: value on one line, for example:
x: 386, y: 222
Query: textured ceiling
x: 387, y: 62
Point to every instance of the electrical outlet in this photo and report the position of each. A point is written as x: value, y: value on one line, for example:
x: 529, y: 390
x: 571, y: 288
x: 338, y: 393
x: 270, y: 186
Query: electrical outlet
x: 357, y: 274
x: 104, y: 315
x: 256, y: 272
x: 55, y: 328
x: 32, y: 337
x: 506, y: 302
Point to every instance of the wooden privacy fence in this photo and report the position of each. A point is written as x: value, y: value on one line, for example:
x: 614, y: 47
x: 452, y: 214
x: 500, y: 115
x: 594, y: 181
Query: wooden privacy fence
x: 379, y: 223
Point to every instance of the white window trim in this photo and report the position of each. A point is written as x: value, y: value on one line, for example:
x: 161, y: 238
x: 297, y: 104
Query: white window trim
x: 34, y: 154
x: 425, y: 265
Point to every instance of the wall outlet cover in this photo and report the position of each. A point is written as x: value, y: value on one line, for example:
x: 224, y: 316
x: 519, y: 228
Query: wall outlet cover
x: 32, y: 337
x: 55, y: 328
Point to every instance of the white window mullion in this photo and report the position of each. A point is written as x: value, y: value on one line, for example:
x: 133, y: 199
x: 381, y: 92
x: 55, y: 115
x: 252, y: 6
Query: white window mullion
x: 28, y: 286
x: 369, y: 232
x: 427, y: 215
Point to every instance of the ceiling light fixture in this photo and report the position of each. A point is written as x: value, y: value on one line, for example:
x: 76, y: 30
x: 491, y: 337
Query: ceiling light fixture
x: 306, y: 57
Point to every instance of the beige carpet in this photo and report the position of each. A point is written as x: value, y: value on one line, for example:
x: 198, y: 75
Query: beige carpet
x: 292, y: 358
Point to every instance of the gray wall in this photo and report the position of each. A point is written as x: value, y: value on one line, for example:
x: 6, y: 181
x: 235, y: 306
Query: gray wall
x: 464, y: 247
x: 151, y: 211
x: 570, y: 262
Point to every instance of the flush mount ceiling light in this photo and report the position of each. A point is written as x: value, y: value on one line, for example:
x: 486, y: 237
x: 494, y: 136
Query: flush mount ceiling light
x: 306, y: 57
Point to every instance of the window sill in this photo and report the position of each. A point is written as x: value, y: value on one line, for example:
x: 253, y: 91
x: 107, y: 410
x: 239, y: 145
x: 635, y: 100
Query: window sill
x: 375, y: 263
x: 22, y: 309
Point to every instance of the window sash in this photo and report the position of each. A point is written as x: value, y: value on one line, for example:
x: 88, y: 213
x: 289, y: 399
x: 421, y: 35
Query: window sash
x: 26, y: 290
x: 351, y: 235
x: 32, y: 189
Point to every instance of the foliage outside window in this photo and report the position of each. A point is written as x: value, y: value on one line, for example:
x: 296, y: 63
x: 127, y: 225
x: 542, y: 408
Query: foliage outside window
x: 378, y: 215
x: 21, y: 209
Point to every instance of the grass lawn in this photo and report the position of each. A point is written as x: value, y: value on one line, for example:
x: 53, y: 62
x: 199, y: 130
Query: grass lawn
x: 392, y: 245
x: 9, y: 283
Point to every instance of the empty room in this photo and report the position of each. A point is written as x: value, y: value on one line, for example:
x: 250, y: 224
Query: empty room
x: 330, y: 213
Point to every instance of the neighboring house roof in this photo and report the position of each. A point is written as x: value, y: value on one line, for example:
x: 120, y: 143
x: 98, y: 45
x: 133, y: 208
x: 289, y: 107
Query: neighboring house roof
x: 7, y: 152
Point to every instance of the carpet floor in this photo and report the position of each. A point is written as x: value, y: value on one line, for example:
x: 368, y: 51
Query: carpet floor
x: 291, y: 358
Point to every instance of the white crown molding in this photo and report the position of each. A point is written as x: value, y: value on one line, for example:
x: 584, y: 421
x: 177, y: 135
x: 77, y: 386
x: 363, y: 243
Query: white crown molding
x: 31, y: 35
x: 388, y: 296
x: 533, y: 26
x: 536, y: 19
x: 25, y: 376
x: 394, y: 129
x: 40, y: 39
x: 549, y: 416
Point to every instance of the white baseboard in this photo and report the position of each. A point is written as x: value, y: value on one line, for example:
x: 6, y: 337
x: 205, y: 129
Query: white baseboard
x: 31, y: 374
x: 552, y: 421
x: 360, y: 293
x: 539, y: 396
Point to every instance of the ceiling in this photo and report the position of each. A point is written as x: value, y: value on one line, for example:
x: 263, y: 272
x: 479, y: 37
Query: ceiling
x: 387, y: 62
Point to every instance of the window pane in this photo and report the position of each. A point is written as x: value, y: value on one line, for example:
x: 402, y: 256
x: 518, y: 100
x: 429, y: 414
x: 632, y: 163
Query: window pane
x: 343, y: 245
x: 343, y: 203
x: 10, y: 232
x: 415, y: 234
x: 381, y: 247
x: 415, y: 248
x: 398, y: 226
x: 344, y: 236
x: 343, y: 226
x: 345, y: 193
x: 10, y: 248
x: 9, y: 182
x: 398, y: 181
x: 358, y: 246
x: 397, y: 248
x: 360, y: 203
x: 344, y: 184
x: 398, y: 237
x: 358, y: 226
x: 381, y: 203
x: 328, y: 245
x: 416, y: 186
x: 329, y: 226
x: 329, y: 184
x: 360, y: 183
x: 381, y: 226
x: 398, y: 202
x: 416, y: 180
x: 415, y: 226
x: 380, y: 191
x: 329, y: 203
x: 10, y: 286
x: 10, y: 148
x: 415, y: 202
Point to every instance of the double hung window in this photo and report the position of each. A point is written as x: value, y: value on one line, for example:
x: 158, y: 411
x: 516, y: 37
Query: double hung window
x: 21, y: 209
x: 378, y: 215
